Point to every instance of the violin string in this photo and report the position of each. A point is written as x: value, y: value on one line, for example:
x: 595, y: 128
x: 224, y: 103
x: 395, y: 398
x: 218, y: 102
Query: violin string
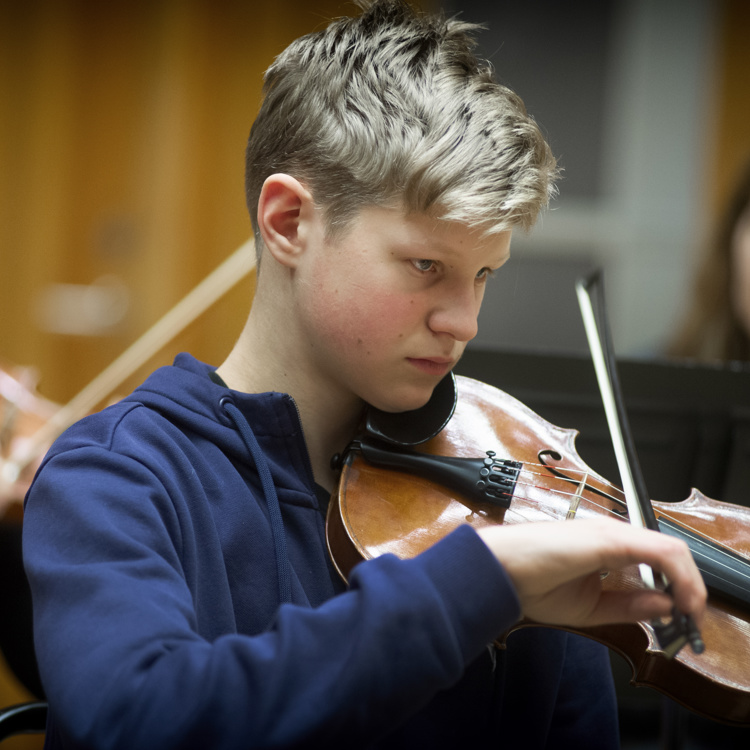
x: 617, y: 495
x: 544, y: 471
x: 616, y: 491
x: 562, y: 493
x: 744, y: 573
x: 700, y: 536
x: 565, y: 493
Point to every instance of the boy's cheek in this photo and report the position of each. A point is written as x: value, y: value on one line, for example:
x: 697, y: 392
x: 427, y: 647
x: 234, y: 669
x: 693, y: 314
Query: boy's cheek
x: 385, y: 318
x: 373, y: 314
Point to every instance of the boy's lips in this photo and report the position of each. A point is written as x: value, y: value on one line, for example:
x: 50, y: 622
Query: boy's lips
x: 433, y: 365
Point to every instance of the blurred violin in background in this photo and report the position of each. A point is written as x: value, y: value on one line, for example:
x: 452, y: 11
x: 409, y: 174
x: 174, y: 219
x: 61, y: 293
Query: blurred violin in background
x: 29, y: 423
x: 23, y: 411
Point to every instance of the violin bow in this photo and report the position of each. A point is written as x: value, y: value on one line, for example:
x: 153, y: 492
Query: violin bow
x: 673, y: 635
x: 240, y: 263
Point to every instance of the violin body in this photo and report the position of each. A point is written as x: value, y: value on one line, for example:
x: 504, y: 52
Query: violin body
x: 380, y: 511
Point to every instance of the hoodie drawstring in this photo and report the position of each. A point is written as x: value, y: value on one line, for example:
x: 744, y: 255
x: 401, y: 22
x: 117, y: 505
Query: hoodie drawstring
x: 269, y: 493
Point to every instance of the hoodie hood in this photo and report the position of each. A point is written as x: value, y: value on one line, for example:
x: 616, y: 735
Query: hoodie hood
x: 217, y: 453
x: 221, y: 416
x: 186, y: 396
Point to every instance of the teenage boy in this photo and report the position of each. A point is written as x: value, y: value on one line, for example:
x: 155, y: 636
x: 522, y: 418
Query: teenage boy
x: 175, y: 542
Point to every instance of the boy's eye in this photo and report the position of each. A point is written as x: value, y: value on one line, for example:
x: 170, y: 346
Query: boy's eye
x: 485, y: 273
x: 423, y: 264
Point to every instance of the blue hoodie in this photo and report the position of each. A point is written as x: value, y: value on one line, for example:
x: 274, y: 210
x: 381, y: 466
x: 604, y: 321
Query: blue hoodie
x: 184, y: 598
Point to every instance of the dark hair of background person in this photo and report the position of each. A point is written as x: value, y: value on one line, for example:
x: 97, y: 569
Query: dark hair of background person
x: 712, y: 329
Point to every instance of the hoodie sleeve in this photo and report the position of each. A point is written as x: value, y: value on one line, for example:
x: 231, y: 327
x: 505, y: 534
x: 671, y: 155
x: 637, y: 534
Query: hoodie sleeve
x: 124, y: 663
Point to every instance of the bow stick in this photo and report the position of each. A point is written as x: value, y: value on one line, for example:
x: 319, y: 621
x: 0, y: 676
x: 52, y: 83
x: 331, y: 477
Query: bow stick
x: 673, y: 635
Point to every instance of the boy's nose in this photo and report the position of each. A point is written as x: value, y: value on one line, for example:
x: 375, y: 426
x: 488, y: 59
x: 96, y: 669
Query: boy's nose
x: 456, y: 314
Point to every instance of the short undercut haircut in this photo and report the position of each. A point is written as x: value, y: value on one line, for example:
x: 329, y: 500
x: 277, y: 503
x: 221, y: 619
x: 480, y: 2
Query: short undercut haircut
x: 393, y: 108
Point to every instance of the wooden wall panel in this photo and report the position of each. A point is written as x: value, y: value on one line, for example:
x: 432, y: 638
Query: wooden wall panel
x: 731, y: 147
x: 122, y: 133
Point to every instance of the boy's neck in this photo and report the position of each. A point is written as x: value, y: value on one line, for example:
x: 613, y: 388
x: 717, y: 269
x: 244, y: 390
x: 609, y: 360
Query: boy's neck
x: 259, y: 363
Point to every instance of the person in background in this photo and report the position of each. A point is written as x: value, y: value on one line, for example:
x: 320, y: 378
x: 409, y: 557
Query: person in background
x: 717, y: 324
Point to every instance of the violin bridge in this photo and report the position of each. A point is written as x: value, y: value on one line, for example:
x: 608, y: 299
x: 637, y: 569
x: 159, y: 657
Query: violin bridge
x: 576, y: 499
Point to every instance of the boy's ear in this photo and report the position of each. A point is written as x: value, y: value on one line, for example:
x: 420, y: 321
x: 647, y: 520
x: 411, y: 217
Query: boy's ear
x: 284, y: 204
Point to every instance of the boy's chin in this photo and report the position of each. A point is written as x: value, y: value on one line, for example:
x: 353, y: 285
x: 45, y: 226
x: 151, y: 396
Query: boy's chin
x: 407, y: 402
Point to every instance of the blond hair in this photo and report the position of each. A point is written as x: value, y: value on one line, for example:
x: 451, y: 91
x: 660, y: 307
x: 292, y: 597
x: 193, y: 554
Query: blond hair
x: 393, y: 108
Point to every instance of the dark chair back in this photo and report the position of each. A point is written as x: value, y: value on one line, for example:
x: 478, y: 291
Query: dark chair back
x: 24, y: 718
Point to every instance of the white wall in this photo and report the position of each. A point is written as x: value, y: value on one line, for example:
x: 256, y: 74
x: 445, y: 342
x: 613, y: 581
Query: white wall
x: 641, y: 217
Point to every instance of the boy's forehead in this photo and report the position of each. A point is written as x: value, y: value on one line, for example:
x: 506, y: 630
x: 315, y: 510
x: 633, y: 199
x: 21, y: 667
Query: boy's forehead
x: 414, y: 230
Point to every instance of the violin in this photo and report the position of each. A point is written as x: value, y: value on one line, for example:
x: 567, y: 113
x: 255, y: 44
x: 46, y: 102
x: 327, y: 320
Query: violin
x: 402, y: 500
x: 485, y: 458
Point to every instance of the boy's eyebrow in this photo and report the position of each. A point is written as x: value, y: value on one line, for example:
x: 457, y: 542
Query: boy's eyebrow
x: 427, y: 249
x: 449, y: 249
